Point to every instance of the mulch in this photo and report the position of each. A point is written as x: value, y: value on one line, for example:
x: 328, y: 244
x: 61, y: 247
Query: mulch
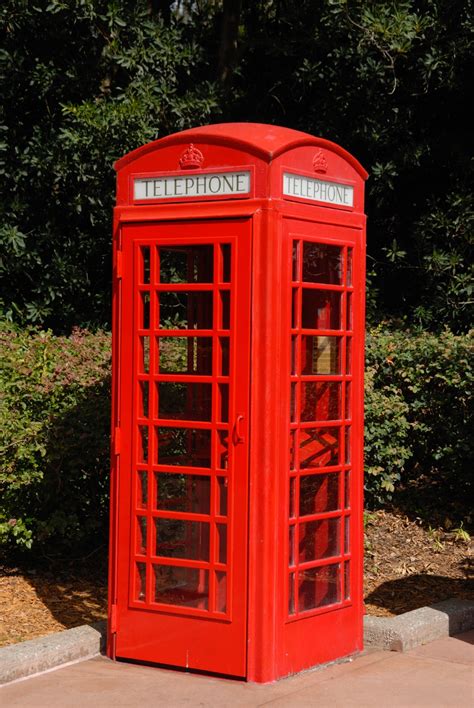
x: 406, y: 566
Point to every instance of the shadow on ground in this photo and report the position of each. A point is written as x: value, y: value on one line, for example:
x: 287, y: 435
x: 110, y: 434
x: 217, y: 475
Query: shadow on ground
x: 403, y: 594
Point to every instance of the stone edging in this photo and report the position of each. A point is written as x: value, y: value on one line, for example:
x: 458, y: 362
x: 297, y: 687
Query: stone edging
x: 420, y: 626
x: 399, y: 633
x: 37, y: 655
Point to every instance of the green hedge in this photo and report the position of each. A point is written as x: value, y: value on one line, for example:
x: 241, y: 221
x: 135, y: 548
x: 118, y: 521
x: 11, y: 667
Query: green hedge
x: 54, y: 432
x: 419, y: 411
x: 54, y: 426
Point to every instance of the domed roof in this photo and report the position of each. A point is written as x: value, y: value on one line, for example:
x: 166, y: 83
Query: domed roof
x: 264, y: 141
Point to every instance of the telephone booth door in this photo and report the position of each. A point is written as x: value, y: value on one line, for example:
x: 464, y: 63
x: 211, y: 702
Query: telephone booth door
x: 183, y: 487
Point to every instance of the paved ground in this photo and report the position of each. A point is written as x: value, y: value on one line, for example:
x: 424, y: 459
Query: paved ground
x: 436, y: 675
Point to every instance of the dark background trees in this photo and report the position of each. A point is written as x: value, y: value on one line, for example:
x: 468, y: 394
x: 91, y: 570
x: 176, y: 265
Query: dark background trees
x: 85, y: 81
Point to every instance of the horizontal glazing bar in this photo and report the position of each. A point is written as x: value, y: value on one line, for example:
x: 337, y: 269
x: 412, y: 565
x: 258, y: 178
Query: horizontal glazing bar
x: 162, y: 333
x: 178, y: 469
x: 169, y: 514
x: 318, y: 516
x: 181, y: 562
x: 320, y: 378
x: 333, y: 560
x: 321, y: 424
x: 319, y: 286
x: 178, y: 423
x: 179, y: 287
x: 187, y: 378
x: 319, y: 332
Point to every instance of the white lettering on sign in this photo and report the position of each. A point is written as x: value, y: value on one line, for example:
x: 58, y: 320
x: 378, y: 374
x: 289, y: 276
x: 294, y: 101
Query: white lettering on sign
x: 317, y: 190
x: 189, y: 186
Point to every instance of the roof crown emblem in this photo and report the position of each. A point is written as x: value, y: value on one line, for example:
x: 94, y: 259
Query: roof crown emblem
x: 191, y: 158
x: 320, y: 164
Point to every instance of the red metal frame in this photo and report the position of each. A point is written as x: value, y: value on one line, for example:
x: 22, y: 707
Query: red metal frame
x: 261, y: 634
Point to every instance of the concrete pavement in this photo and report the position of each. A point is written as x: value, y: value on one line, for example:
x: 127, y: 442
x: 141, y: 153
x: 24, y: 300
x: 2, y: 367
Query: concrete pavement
x: 439, y: 674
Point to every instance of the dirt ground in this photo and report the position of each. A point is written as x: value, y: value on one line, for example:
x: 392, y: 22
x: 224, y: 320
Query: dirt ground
x: 406, y: 566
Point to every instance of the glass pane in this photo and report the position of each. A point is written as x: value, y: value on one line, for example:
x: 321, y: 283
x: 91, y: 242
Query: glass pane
x: 319, y: 493
x: 319, y: 447
x: 142, y: 443
x: 143, y: 399
x: 186, y: 264
x: 184, y: 447
x: 347, y: 534
x: 296, y: 248
x: 320, y: 401
x: 145, y: 311
x: 226, y: 255
x: 223, y: 403
x: 347, y: 580
x: 292, y: 510
x: 222, y: 503
x: 294, y: 355
x: 144, y: 355
x: 318, y: 539
x: 294, y: 308
x: 185, y: 355
x: 349, y: 311
x: 183, y: 492
x: 142, y: 499
x: 291, y: 546
x: 320, y: 355
x: 145, y: 253
x: 347, y: 493
x: 322, y: 263
x: 187, y: 587
x: 225, y: 309
x: 222, y: 449
x: 319, y: 587
x: 179, y: 538
x: 185, y: 310
x: 141, y: 535
x: 321, y: 309
x: 140, y: 581
x: 349, y: 266
x: 349, y: 355
x: 293, y: 403
x: 291, y: 594
x: 225, y: 355
x: 292, y: 449
x: 222, y: 543
x: 348, y: 400
x: 184, y: 401
x: 221, y: 592
x: 348, y: 445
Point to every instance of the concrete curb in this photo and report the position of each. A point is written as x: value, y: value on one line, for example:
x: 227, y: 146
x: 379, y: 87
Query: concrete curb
x: 400, y: 633
x: 420, y: 626
x: 37, y: 655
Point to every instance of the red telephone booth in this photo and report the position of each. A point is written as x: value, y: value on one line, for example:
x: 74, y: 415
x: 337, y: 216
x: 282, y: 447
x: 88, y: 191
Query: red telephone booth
x: 236, y: 523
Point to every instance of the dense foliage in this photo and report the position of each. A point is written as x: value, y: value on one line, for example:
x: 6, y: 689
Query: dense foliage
x: 54, y: 432
x: 419, y: 412
x: 54, y: 427
x: 85, y: 81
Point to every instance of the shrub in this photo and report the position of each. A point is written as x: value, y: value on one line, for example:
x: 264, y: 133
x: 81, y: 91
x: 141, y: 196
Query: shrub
x: 419, y: 402
x: 54, y: 436
x: 54, y: 426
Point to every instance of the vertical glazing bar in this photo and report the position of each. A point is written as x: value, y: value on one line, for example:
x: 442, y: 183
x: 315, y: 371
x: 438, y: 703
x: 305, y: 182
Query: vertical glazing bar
x: 342, y: 437
x: 213, y: 540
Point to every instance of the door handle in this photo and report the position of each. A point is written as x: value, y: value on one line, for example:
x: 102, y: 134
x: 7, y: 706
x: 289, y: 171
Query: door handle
x: 238, y: 434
